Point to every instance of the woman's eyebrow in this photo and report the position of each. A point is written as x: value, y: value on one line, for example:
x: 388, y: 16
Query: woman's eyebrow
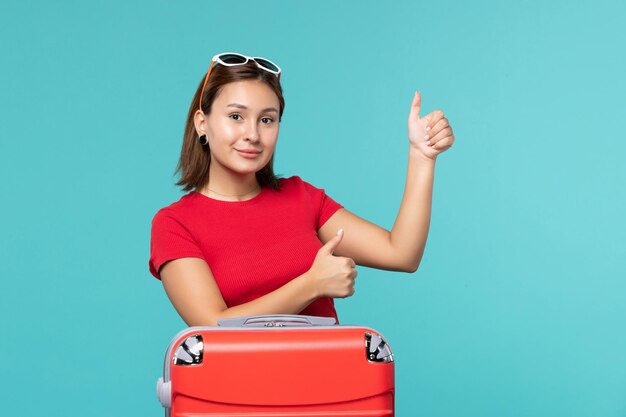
x: 241, y: 106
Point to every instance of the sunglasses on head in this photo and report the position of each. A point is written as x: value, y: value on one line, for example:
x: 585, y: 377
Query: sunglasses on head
x: 231, y: 59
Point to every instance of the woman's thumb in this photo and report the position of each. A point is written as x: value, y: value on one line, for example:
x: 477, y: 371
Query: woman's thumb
x: 415, y: 106
x: 331, y: 245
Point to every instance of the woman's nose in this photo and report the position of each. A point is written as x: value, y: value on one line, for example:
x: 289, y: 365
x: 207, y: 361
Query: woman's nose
x: 253, y: 132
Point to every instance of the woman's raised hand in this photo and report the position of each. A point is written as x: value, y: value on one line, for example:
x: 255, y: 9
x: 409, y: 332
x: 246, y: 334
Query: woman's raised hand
x: 333, y: 276
x: 431, y: 134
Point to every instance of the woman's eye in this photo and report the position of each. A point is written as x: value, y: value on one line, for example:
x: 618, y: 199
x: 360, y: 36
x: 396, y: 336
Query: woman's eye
x: 267, y: 118
x: 235, y: 114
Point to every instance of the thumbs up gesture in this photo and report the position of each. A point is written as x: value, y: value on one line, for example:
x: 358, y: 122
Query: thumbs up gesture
x: 333, y: 276
x: 431, y: 134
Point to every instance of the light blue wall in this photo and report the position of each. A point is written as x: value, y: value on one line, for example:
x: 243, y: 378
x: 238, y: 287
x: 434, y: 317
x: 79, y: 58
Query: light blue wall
x: 518, y: 308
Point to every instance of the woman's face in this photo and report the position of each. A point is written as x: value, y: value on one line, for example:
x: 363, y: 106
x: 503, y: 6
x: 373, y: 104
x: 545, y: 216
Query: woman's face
x: 244, y: 117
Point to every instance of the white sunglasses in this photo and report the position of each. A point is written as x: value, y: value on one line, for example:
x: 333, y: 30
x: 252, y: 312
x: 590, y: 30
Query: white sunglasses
x: 231, y: 59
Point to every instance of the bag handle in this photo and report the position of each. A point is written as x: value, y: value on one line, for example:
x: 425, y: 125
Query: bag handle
x: 277, y: 320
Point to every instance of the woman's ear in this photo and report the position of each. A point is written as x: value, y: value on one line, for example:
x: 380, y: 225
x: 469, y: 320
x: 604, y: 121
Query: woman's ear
x: 199, y: 121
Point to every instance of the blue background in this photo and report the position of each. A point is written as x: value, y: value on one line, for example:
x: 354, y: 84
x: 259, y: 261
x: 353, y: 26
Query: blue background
x: 518, y: 308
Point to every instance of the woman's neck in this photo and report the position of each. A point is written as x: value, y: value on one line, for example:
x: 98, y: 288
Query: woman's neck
x: 231, y: 187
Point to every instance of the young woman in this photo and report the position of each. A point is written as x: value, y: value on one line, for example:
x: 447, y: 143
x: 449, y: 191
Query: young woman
x: 244, y: 242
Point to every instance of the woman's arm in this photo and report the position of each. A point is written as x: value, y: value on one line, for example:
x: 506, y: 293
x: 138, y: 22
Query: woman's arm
x: 401, y: 249
x: 192, y: 289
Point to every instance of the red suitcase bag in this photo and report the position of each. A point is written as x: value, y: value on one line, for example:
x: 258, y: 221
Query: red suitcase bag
x: 278, y: 366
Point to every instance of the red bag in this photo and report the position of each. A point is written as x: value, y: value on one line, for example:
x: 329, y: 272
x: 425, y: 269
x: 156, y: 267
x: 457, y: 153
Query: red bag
x: 278, y: 366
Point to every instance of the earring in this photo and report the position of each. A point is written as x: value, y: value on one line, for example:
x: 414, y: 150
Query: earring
x: 203, y: 140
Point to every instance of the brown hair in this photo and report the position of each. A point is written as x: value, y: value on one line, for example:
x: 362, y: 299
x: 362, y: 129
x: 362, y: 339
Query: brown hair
x: 195, y: 159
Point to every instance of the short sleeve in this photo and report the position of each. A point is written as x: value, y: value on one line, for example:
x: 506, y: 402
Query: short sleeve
x: 324, y: 206
x: 170, y: 239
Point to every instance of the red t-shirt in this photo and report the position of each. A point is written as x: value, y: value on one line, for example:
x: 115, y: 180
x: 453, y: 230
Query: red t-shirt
x: 253, y: 247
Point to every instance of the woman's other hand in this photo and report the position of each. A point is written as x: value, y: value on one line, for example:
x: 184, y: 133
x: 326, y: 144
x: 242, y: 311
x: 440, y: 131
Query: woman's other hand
x: 333, y: 276
x: 431, y: 134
